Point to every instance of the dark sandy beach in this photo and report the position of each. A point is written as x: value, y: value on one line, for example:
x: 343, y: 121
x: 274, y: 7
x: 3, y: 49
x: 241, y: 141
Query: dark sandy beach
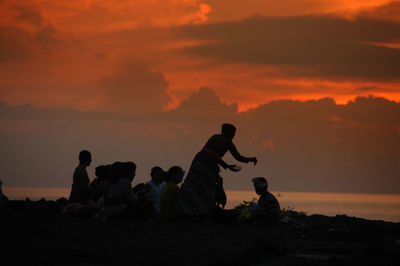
x: 34, y: 232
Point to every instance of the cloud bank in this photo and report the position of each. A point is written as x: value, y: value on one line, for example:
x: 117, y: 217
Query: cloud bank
x: 301, y: 146
x: 328, y: 47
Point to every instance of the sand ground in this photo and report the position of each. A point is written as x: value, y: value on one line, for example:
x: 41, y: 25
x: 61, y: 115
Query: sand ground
x: 35, y: 233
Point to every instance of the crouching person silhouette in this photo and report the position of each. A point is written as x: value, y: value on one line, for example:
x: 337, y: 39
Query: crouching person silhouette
x: 267, y: 209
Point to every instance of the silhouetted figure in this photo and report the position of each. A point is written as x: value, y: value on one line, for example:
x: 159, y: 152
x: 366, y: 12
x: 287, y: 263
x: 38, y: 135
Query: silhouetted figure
x: 121, y: 196
x: 143, y: 208
x: 198, y: 193
x: 98, y: 188
x: 116, y: 170
x: 80, y: 185
x: 154, y: 194
x: 170, y: 192
x: 267, y: 209
x: 3, y: 198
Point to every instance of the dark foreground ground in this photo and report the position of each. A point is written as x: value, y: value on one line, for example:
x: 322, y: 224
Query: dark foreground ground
x: 35, y: 233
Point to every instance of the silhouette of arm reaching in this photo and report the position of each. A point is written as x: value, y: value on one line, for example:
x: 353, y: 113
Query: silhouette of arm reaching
x: 235, y: 153
x: 218, y: 145
x: 223, y: 163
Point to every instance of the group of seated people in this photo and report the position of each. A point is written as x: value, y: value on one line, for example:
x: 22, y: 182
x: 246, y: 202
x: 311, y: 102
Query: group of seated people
x: 111, y: 195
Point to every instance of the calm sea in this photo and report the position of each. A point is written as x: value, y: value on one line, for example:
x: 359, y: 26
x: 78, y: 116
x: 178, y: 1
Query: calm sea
x: 370, y: 206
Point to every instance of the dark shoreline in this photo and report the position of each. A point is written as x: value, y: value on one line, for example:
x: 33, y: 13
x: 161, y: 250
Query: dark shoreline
x: 34, y: 232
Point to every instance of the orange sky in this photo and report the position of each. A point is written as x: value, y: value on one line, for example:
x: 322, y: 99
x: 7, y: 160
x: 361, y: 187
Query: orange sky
x: 71, y: 53
x: 151, y: 80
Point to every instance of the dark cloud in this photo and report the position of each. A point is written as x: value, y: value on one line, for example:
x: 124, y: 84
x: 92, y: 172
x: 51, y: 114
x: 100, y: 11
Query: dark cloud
x: 372, y: 110
x: 311, y: 46
x: 29, y: 14
x: 46, y: 38
x: 16, y: 43
x: 376, y: 89
x: 315, y: 145
x: 294, y: 112
x: 13, y: 44
x: 135, y: 88
x: 206, y: 102
x: 352, y: 147
x: 201, y: 109
x: 368, y: 88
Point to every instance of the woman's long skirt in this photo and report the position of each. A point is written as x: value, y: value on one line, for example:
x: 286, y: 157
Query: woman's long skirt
x: 197, y: 193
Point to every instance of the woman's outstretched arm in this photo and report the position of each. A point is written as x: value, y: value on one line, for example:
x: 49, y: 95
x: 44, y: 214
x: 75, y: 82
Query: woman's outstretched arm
x: 223, y: 163
x: 239, y: 157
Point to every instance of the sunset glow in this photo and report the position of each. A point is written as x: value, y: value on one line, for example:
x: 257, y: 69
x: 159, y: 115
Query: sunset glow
x: 63, y: 49
x: 163, y: 74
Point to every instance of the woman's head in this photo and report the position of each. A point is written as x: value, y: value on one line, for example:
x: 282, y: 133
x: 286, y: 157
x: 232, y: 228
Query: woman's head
x: 228, y: 130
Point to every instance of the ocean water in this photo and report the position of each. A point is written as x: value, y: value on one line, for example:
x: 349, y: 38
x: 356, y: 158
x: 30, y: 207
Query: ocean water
x: 370, y: 206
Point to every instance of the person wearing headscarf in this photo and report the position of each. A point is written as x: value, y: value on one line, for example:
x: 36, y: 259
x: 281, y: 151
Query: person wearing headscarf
x: 201, y: 190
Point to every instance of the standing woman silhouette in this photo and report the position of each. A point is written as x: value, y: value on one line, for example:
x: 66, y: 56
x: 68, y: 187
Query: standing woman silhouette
x: 198, y: 192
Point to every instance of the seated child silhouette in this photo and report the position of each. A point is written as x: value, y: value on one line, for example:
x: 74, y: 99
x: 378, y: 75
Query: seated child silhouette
x: 170, y: 192
x: 267, y: 209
